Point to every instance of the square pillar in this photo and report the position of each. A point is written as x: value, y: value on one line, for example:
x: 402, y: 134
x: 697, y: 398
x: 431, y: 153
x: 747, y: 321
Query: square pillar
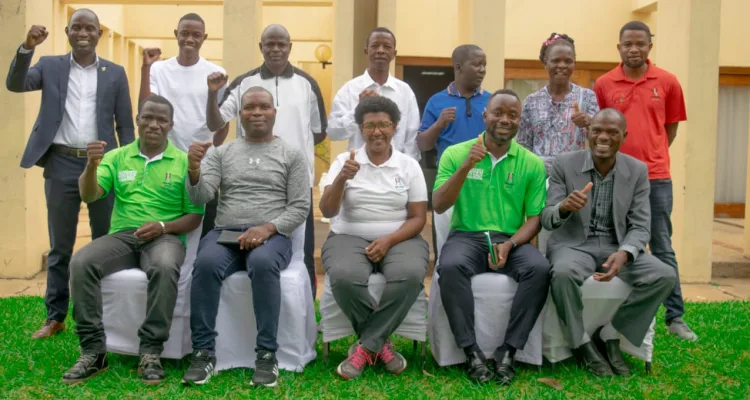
x: 482, y: 22
x: 688, y: 41
x: 243, y: 24
x: 387, y: 18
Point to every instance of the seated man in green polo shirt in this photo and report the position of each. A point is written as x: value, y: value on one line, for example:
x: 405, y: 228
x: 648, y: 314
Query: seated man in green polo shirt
x: 498, y: 190
x: 151, y: 216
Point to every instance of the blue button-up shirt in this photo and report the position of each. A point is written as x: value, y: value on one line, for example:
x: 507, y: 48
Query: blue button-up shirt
x: 468, y: 124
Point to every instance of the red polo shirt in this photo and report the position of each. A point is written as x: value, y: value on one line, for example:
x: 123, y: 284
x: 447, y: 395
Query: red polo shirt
x: 648, y: 104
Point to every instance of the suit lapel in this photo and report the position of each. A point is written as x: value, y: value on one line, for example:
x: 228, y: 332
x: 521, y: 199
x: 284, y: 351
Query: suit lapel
x: 621, y: 193
x: 64, y: 76
x: 102, y: 79
x: 580, y: 181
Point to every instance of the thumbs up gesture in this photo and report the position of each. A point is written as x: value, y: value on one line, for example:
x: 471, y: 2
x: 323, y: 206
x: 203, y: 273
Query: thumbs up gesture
x: 576, y: 200
x: 196, y: 152
x: 351, y: 167
x: 477, y: 153
x: 579, y: 118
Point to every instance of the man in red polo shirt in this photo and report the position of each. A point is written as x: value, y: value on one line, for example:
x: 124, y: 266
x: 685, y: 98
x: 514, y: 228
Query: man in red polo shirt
x: 652, y: 101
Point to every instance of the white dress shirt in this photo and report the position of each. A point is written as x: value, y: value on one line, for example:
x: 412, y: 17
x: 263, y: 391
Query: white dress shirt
x: 341, y: 124
x: 78, y: 125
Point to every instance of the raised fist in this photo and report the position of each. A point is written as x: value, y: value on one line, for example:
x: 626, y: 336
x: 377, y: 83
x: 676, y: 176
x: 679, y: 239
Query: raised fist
x: 151, y: 55
x: 216, y: 81
x: 95, y: 152
x: 196, y: 152
x: 35, y: 37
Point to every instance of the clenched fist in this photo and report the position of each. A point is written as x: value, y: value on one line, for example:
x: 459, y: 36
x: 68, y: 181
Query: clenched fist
x: 367, y: 93
x: 447, y: 116
x: 37, y: 34
x: 216, y: 81
x: 196, y: 152
x: 151, y: 55
x: 350, y: 169
x: 95, y: 152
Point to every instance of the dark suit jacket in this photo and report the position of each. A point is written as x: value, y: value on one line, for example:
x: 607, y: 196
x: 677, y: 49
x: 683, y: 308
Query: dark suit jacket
x: 50, y: 75
x: 630, y: 207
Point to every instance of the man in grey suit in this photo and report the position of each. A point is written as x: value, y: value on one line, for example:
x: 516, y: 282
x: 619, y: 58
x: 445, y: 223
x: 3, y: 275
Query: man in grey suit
x: 598, y: 209
x: 83, y: 96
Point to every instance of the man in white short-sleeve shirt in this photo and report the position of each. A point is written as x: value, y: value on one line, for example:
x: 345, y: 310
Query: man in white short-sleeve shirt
x: 182, y: 81
x: 375, y: 202
x: 376, y: 81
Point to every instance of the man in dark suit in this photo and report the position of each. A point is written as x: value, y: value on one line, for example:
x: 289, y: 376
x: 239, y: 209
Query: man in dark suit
x: 598, y: 209
x: 83, y: 97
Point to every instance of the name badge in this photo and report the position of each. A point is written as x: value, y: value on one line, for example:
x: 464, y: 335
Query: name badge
x: 126, y: 176
x: 476, y: 174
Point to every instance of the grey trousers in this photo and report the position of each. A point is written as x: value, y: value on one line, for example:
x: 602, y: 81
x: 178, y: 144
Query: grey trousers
x: 349, y: 270
x: 651, y: 279
x: 160, y: 259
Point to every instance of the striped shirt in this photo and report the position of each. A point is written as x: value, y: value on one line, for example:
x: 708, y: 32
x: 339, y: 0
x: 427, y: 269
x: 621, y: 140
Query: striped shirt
x: 602, y: 196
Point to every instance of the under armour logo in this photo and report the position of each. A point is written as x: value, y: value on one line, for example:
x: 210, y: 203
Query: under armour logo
x: 254, y: 161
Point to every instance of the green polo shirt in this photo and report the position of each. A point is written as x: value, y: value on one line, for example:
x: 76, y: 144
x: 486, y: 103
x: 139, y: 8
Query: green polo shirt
x: 145, y: 191
x: 495, y: 199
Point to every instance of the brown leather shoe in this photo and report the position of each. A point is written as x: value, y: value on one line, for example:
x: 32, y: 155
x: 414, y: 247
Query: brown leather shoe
x: 50, y: 328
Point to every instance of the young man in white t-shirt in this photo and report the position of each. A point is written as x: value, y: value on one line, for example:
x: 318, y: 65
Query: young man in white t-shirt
x: 182, y: 81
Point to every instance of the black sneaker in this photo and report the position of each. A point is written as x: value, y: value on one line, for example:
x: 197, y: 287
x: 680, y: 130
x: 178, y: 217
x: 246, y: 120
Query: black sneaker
x: 202, y: 368
x: 87, y: 366
x: 150, y: 370
x: 266, y: 369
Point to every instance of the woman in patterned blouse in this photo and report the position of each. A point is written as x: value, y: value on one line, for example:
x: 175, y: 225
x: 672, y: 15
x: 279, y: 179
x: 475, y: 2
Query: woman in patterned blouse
x: 554, y: 118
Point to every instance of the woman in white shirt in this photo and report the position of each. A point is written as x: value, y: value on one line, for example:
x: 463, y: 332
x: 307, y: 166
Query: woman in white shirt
x: 377, y: 199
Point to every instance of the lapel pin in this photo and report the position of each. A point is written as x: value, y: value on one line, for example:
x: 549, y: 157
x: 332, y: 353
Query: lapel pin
x: 104, y: 69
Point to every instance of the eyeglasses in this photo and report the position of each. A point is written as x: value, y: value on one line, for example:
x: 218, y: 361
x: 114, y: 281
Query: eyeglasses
x: 370, y: 127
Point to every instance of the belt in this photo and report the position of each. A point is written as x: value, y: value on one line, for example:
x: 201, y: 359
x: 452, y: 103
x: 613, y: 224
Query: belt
x: 69, y: 151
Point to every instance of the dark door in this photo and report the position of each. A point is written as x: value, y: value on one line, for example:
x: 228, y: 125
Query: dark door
x: 425, y: 82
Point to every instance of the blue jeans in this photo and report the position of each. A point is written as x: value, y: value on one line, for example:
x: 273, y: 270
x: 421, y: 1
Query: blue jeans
x: 661, y: 240
x: 216, y: 262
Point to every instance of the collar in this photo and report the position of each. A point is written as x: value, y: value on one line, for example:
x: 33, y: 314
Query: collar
x: 368, y: 79
x: 588, y: 164
x: 512, y: 150
x: 73, y: 61
x: 454, y: 92
x: 361, y: 157
x: 266, y: 73
x: 650, y: 73
x: 134, y: 149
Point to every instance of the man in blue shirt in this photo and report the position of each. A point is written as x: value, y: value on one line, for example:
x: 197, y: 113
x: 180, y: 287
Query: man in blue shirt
x: 454, y: 115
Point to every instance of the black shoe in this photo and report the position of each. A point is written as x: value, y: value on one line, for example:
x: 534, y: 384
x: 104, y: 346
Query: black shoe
x: 612, y: 353
x: 266, y: 369
x: 87, y: 366
x: 505, y: 366
x: 150, y: 370
x: 592, y: 360
x: 478, y: 369
x: 202, y: 368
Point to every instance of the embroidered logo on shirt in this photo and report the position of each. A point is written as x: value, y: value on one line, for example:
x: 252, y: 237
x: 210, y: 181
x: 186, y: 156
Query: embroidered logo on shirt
x: 399, y: 184
x: 168, y: 178
x: 126, y: 176
x: 254, y: 161
x: 476, y: 174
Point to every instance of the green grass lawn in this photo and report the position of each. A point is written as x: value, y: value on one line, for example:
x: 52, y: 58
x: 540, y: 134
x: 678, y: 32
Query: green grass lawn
x: 716, y: 367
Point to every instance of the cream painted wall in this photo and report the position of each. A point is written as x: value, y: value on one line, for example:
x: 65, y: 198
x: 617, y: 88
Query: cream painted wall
x: 734, y: 33
x: 427, y: 28
x: 111, y: 15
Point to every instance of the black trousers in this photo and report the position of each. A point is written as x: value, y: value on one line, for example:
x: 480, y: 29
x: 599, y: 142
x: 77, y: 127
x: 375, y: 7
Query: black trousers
x: 61, y: 174
x: 465, y: 255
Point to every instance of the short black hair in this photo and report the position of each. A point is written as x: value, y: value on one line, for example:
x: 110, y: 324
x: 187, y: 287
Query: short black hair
x: 636, y: 26
x: 86, y: 10
x: 376, y: 104
x: 254, y: 89
x: 462, y: 53
x: 610, y: 112
x: 380, y: 29
x: 192, y: 17
x: 509, y: 92
x: 556, y: 39
x: 155, y: 98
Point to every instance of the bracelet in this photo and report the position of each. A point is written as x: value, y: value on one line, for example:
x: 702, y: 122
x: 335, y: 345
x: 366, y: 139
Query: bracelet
x: 194, y: 170
x: 163, y: 228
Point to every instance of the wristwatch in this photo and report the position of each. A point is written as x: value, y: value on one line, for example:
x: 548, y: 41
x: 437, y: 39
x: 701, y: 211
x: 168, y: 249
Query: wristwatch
x: 513, y: 242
